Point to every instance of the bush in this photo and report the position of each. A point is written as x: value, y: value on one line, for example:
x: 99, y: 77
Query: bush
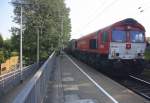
x: 14, y: 54
x: 147, y: 55
x: 1, y: 57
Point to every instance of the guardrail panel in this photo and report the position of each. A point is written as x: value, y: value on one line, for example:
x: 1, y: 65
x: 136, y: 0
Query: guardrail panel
x: 10, y: 80
x: 35, y: 89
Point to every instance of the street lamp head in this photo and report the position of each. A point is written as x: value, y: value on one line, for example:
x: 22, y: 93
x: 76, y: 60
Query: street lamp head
x: 139, y: 7
x: 142, y: 11
x: 16, y: 2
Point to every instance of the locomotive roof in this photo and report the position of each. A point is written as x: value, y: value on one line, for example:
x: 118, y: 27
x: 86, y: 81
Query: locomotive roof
x: 128, y: 21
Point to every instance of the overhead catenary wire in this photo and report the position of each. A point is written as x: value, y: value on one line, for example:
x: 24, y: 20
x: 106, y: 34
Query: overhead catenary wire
x: 97, y: 9
x: 100, y: 13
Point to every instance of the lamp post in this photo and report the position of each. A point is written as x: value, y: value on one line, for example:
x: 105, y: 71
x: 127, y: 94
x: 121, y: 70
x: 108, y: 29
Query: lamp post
x: 38, y: 42
x: 21, y: 65
x: 21, y: 31
x: 61, y: 45
x: 38, y: 47
x: 62, y: 32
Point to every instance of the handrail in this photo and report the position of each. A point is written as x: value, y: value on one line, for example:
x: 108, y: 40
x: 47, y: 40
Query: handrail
x: 12, y: 79
x: 32, y: 85
x: 16, y: 71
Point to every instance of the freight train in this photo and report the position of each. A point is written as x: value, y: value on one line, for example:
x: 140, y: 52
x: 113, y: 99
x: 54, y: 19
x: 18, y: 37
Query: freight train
x: 116, y: 50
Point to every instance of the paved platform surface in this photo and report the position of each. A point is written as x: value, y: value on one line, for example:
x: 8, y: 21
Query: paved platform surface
x: 75, y: 82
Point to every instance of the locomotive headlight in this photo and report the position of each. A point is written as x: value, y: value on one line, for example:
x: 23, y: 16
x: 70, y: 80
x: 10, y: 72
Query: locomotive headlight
x: 140, y: 54
x: 113, y: 53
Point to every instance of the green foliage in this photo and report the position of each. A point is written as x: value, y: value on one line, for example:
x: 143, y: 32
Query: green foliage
x: 14, y: 54
x: 147, y: 55
x: 1, y: 57
x: 15, y: 39
x: 1, y: 41
x: 7, y: 45
x: 7, y: 54
x: 6, y: 49
x: 45, y: 17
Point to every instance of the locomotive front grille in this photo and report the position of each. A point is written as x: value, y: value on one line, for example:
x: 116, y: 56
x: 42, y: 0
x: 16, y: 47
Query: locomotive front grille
x: 126, y: 51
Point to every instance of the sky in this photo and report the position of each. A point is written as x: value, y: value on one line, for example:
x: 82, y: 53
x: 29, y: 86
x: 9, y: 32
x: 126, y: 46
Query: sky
x: 6, y: 13
x: 89, y: 15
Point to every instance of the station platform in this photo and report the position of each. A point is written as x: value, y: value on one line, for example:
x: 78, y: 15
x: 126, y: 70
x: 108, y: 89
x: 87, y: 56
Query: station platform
x: 74, y: 82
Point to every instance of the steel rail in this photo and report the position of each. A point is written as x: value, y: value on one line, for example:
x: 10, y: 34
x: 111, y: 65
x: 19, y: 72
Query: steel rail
x: 138, y: 90
x: 139, y: 79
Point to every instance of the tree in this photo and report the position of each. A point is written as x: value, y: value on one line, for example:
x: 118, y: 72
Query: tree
x: 15, y: 39
x: 5, y: 49
x: 1, y: 41
x: 45, y: 16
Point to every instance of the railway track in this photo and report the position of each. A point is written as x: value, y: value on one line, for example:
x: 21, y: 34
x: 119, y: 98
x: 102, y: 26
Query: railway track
x: 137, y: 85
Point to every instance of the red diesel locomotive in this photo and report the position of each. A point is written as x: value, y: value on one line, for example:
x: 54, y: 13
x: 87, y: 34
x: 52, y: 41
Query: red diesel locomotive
x: 117, y: 49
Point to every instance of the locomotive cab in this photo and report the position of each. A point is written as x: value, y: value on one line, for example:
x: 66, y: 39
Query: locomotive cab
x: 127, y: 44
x: 127, y: 47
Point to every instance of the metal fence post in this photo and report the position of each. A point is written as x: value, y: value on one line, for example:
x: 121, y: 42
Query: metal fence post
x: 3, y: 80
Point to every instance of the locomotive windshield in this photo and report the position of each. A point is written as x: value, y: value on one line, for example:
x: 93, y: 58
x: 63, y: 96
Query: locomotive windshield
x: 136, y: 36
x: 118, y: 36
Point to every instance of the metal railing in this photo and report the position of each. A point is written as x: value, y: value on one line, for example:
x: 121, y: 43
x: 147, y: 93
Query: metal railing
x: 35, y: 89
x: 11, y: 79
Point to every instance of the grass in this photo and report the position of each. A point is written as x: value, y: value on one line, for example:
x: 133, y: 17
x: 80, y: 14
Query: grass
x: 146, y: 73
x: 147, y: 55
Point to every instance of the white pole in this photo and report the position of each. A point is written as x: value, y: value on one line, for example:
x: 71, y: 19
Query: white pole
x: 21, y: 47
x: 61, y: 37
x: 21, y: 31
x: 38, y: 47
